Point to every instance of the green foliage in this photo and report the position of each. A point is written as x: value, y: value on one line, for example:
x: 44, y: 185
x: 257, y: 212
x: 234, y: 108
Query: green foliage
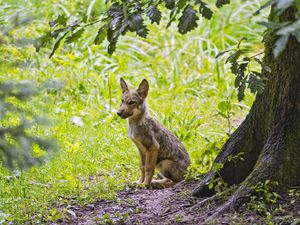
x: 264, y: 199
x: 125, y: 16
x: 220, y: 3
x: 19, y: 148
x: 240, y: 67
x: 154, y: 14
x: 187, y: 21
x: 128, y: 16
x: 204, y: 10
x: 282, y: 29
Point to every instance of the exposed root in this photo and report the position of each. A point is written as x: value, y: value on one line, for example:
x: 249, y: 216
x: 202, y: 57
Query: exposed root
x: 213, y: 198
x: 221, y: 210
x: 203, y: 190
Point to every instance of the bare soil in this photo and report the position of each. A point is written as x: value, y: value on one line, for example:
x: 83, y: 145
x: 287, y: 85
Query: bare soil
x: 176, y: 206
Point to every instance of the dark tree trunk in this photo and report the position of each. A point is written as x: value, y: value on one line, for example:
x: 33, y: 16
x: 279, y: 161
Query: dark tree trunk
x: 269, y: 138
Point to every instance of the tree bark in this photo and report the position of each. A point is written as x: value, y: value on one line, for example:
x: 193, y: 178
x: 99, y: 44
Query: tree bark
x: 269, y: 138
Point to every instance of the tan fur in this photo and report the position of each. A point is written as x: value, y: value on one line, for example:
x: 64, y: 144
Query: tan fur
x: 157, y: 146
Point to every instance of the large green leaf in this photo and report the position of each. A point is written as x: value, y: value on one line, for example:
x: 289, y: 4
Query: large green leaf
x: 57, y: 43
x: 75, y: 36
x: 204, y: 10
x: 188, y: 20
x: 102, y: 32
x: 220, y: 3
x: 154, y: 14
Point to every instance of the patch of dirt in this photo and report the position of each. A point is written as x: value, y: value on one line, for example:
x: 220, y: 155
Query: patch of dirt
x: 173, y: 206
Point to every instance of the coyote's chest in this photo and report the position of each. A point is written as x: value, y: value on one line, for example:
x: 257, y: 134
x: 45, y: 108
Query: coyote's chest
x: 135, y: 134
x: 140, y: 136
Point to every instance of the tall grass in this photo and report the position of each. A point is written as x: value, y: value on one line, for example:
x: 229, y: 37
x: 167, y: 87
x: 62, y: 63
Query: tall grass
x: 186, y: 85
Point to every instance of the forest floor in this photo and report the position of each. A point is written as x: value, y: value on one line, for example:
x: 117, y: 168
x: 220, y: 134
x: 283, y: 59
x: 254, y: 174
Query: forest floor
x: 176, y: 206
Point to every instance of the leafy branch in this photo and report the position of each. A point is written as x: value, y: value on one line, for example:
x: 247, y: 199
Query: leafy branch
x: 283, y: 30
x: 123, y: 16
x: 127, y: 16
x: 240, y: 67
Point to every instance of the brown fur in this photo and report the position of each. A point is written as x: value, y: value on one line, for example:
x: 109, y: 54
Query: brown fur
x: 157, y: 146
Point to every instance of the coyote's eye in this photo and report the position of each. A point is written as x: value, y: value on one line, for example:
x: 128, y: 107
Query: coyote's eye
x: 131, y: 102
x: 122, y: 101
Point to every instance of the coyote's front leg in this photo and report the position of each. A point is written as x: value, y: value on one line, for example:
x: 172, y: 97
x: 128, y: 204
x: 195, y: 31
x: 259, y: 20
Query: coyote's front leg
x: 142, y: 166
x: 151, y: 158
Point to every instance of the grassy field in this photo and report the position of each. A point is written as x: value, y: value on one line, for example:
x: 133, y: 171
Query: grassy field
x: 187, y: 89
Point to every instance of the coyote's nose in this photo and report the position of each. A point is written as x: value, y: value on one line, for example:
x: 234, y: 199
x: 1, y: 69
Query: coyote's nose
x: 119, y: 113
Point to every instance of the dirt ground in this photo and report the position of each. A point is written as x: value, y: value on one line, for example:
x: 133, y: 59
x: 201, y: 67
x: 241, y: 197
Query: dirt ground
x: 175, y: 206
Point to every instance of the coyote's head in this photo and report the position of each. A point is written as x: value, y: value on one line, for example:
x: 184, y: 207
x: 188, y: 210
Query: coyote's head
x: 133, y: 101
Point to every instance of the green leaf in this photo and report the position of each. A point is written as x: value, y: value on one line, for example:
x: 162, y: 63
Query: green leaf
x: 234, y: 57
x: 255, y: 84
x: 75, y: 36
x: 55, y: 33
x: 220, y: 3
x: 224, y: 106
x: 263, y: 65
x: 62, y: 20
x: 237, y: 81
x: 135, y: 21
x: 142, y: 31
x: 241, y: 90
x: 280, y: 44
x: 116, y: 10
x: 42, y: 41
x: 170, y: 4
x: 187, y: 21
x: 111, y: 47
x: 222, y: 114
x: 204, y: 10
x: 242, y: 68
x: 101, y: 35
x: 210, y: 185
x: 85, y: 19
x: 154, y: 14
x: 235, y: 68
x: 56, y: 45
x: 180, y: 4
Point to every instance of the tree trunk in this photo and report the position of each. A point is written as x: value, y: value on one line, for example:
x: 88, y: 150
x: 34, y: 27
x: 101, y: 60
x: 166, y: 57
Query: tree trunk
x: 269, y: 138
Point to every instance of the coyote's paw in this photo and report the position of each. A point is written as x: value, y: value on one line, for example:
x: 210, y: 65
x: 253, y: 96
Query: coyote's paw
x: 137, y: 184
x: 139, y: 181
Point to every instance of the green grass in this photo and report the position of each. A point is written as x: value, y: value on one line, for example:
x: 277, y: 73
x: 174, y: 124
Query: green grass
x: 96, y: 159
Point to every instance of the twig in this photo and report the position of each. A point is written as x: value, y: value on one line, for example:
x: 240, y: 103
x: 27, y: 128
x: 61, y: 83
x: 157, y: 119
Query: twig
x: 168, y: 212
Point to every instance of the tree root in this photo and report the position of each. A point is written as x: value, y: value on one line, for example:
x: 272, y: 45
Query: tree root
x: 236, y: 200
x: 213, y: 198
x: 263, y: 171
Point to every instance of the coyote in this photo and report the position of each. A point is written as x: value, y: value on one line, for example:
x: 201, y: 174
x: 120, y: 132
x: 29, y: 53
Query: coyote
x: 157, y: 146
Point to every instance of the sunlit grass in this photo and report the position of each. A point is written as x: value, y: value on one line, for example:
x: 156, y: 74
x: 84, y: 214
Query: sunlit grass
x: 96, y: 158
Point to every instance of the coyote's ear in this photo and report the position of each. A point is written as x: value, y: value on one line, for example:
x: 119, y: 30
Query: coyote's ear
x: 143, y: 89
x: 124, y: 86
